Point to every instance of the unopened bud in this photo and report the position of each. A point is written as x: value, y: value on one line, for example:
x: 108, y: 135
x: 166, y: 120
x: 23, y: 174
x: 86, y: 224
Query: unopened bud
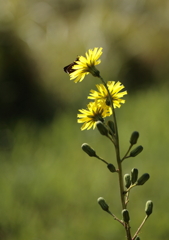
x: 143, y: 179
x: 111, y: 167
x: 149, y: 207
x: 134, y: 175
x: 134, y: 137
x: 127, y: 180
x: 102, y: 128
x: 125, y: 215
x: 111, y: 126
x: 103, y: 204
x: 87, y: 149
x: 137, y: 238
x: 136, y: 151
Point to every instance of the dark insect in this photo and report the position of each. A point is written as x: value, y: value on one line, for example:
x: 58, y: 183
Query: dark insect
x: 68, y: 69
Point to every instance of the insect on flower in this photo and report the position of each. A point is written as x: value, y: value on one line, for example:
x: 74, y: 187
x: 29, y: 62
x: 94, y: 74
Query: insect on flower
x: 68, y: 69
x: 82, y: 66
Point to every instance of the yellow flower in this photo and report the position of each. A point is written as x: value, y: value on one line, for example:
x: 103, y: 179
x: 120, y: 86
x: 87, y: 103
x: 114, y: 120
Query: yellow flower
x: 114, y: 89
x: 95, y: 112
x: 86, y: 65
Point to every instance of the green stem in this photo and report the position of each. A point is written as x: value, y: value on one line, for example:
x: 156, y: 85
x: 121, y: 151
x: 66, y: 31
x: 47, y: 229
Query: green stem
x: 115, y: 218
x: 102, y: 159
x: 125, y: 156
x: 138, y: 230
x: 117, y: 148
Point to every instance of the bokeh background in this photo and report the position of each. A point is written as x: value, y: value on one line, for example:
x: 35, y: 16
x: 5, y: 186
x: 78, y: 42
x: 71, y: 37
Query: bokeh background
x: 48, y: 186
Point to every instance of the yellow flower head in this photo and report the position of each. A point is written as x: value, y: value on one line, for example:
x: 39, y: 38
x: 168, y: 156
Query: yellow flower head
x: 114, y: 89
x: 95, y: 112
x: 85, y: 65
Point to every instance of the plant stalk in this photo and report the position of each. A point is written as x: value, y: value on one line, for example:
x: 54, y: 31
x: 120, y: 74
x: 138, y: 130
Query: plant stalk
x: 120, y: 172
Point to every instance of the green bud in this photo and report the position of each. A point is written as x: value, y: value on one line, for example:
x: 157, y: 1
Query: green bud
x: 125, y: 215
x: 143, y: 179
x: 102, y: 128
x: 111, y: 126
x: 137, y: 238
x: 136, y: 151
x: 111, y: 167
x: 134, y: 137
x: 134, y: 175
x: 149, y: 207
x: 103, y: 204
x: 87, y: 149
x: 127, y: 180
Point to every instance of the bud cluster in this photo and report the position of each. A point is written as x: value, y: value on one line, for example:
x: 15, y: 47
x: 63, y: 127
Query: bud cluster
x: 133, y: 140
x: 132, y: 180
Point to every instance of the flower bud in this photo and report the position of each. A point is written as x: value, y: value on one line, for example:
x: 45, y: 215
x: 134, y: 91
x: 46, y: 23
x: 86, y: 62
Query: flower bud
x: 127, y: 180
x: 111, y: 126
x: 149, y: 207
x: 102, y: 128
x: 103, y: 204
x: 125, y: 215
x: 134, y: 137
x: 134, y: 175
x: 87, y: 149
x: 137, y: 238
x: 111, y: 167
x: 143, y: 179
x: 136, y: 151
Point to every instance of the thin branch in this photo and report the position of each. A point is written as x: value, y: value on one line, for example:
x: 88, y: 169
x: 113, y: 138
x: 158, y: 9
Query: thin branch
x: 125, y: 156
x: 115, y: 218
x: 138, y: 230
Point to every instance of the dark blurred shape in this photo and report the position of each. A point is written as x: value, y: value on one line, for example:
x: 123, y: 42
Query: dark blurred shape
x: 22, y: 95
x: 71, y: 9
x: 136, y: 74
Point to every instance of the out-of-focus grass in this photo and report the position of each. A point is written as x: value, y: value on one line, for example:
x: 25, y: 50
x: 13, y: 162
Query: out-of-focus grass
x: 49, y: 187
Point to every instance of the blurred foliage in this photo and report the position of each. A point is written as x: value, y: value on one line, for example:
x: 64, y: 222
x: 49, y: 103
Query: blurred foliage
x: 21, y: 92
x: 133, y: 34
x: 48, y: 186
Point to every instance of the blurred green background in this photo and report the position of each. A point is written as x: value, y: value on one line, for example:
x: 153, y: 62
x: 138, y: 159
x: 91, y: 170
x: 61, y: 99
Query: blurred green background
x: 48, y: 186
